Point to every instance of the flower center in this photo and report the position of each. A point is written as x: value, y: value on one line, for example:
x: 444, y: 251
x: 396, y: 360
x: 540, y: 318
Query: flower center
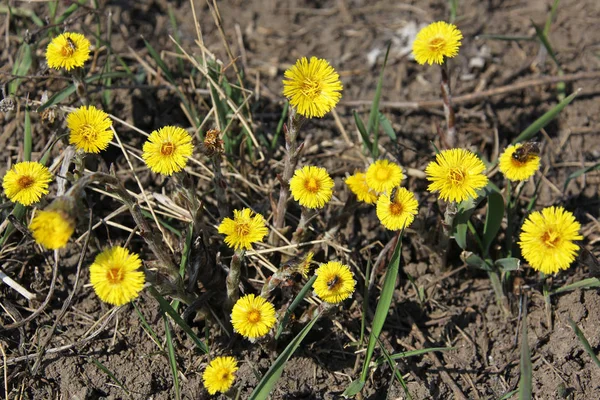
x: 242, y: 229
x: 225, y: 375
x: 312, y: 185
x: 310, y: 88
x: 383, y: 174
x: 550, y: 238
x: 25, y: 181
x: 396, y: 209
x: 254, y: 316
x: 436, y: 44
x: 457, y: 176
x: 167, y: 148
x: 115, y: 275
x: 69, y: 49
x: 89, y: 133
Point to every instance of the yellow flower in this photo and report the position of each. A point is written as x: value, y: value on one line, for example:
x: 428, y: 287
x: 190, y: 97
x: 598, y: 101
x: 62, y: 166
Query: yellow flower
x: 313, y: 87
x: 517, y: 167
x: 68, y: 51
x: 89, y: 129
x: 220, y: 374
x: 456, y: 174
x: 383, y: 175
x: 398, y: 213
x: 304, y: 266
x: 436, y: 41
x: 547, y: 239
x: 311, y: 186
x: 358, y: 185
x: 26, y: 182
x: 243, y: 229
x: 52, y: 228
x: 116, y: 277
x: 334, y: 282
x: 252, y: 316
x: 167, y: 150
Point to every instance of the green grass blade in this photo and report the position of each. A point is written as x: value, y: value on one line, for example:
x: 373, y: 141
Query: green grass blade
x: 580, y: 172
x: 27, y: 141
x: 110, y: 374
x: 582, y: 284
x: 544, y: 119
x: 147, y: 326
x: 551, y: 17
x: 69, y: 11
x: 412, y: 353
x: 177, y: 38
x: 166, y: 307
x: 279, y: 129
x: 21, y: 67
x: 453, y: 6
x: 172, y: 358
x: 363, y: 132
x: 373, y: 124
x: 509, y: 394
x: 395, y: 370
x: 525, y: 382
x: 584, y: 342
x: 546, y: 43
x: 365, y: 305
x: 493, y: 219
x: 268, y: 381
x: 292, y: 307
x: 23, y: 13
x: 509, y: 38
x: 386, y: 125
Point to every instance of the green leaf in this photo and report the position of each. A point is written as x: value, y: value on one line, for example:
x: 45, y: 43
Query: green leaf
x: 509, y: 394
x: 268, y: 381
x: 172, y: 358
x: 21, y: 67
x: 493, y: 219
x: 292, y: 307
x: 363, y: 132
x: 354, y: 388
x: 373, y: 124
x: 473, y: 260
x: 27, y: 140
x: 110, y: 374
x: 582, y: 284
x: 508, y: 264
x: 580, y: 172
x: 461, y: 220
x: 412, y: 353
x: 544, y: 119
x: 166, y: 307
x: 22, y: 12
x: 386, y: 125
x: 584, y: 342
x: 525, y: 382
x: 69, y: 11
x: 392, y: 365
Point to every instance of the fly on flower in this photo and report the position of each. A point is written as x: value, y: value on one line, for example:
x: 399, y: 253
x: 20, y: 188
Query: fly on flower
x: 69, y: 50
x: 519, y: 162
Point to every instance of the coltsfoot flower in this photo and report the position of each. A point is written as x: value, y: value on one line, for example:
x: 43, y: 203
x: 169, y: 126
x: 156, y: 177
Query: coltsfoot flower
x: 547, y: 237
x: 435, y: 42
x: 253, y: 316
x: 334, y: 283
x: 456, y: 174
x: 358, y: 185
x: 313, y: 87
x: 116, y: 277
x: 220, y: 374
x: 69, y: 50
x: 167, y: 150
x: 26, y: 182
x: 89, y: 129
x: 383, y: 175
x: 312, y: 187
x: 397, y: 210
x: 54, y: 226
x: 244, y: 229
x: 517, y: 163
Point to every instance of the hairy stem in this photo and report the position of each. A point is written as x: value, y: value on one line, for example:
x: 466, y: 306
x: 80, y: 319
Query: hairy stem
x: 450, y: 140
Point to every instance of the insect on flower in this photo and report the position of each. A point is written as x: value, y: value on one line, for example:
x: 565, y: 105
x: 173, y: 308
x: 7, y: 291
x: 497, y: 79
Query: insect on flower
x: 71, y: 44
x: 526, y: 152
x: 332, y: 282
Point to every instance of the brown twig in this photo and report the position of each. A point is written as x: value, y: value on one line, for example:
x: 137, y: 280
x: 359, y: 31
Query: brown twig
x: 468, y: 98
x: 449, y: 139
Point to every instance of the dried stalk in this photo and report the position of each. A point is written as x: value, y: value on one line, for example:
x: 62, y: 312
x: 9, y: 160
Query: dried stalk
x: 449, y: 141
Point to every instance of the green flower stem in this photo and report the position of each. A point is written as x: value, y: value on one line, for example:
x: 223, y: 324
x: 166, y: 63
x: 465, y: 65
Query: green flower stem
x: 449, y: 214
x: 450, y: 140
x: 233, y: 278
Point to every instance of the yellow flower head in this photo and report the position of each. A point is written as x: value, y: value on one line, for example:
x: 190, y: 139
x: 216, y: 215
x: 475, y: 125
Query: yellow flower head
x: 313, y: 87
x: 383, y: 175
x: 358, y: 185
x: 68, y: 51
x: 252, y: 316
x: 116, y: 277
x: 244, y: 229
x: 399, y: 212
x: 436, y: 41
x: 89, y: 129
x: 220, y: 374
x: 456, y: 174
x: 167, y: 150
x: 26, y: 182
x: 311, y: 186
x: 334, y: 283
x: 304, y: 266
x: 520, y: 166
x: 547, y: 239
x: 53, y: 227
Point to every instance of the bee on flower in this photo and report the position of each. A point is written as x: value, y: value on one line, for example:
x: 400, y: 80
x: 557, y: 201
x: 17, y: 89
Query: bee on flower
x: 519, y: 162
x: 397, y: 210
x: 68, y: 50
x: 335, y: 282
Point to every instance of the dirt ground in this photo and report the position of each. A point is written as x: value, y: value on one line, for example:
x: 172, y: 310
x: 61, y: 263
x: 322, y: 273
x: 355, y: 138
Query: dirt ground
x: 457, y: 309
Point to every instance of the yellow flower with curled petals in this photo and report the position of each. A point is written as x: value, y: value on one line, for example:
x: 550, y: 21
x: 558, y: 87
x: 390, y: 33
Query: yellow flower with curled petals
x: 252, y: 316
x: 384, y: 175
x: 358, y: 185
x: 335, y: 282
x: 220, y: 374
x: 436, y: 42
x: 68, y: 50
x: 312, y: 187
x: 456, y: 174
x: 313, y: 87
x: 397, y: 210
x: 89, y: 129
x: 116, y: 277
x: 26, y: 182
x: 167, y: 150
x: 244, y: 229
x: 517, y: 164
x: 547, y: 239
